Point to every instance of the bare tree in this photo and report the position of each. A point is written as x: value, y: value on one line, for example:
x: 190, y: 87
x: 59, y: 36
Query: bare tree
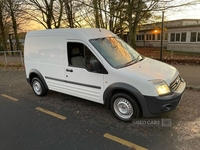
x: 104, y: 14
x: 69, y: 12
x: 3, y: 24
x: 73, y: 9
x: 118, y: 16
x: 96, y: 13
x: 48, y: 13
x: 140, y: 10
x: 137, y: 10
x: 15, y: 10
x: 128, y: 14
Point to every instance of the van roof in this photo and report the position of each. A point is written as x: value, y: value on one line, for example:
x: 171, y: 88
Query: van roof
x: 89, y: 33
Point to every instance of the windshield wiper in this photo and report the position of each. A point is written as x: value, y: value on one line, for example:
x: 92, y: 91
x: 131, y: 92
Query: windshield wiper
x: 137, y: 59
x: 131, y: 62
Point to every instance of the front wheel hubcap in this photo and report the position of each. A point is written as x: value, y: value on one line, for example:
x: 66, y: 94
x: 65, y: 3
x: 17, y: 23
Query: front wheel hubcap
x: 123, y: 108
x: 37, y: 87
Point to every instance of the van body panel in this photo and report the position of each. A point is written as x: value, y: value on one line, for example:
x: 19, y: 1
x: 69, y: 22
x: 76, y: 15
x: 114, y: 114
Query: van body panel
x: 144, y: 72
x: 45, y: 56
x: 85, y: 84
x: 119, y: 75
x: 151, y: 69
x: 130, y: 89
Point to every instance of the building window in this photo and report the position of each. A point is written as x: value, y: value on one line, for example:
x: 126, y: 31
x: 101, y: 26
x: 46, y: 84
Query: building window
x: 198, y: 37
x: 166, y: 36
x: 172, y: 38
x: 148, y: 37
x: 158, y: 37
x: 193, y: 37
x: 183, y: 37
x: 177, y: 36
x: 153, y: 36
x: 140, y: 37
x: 143, y: 37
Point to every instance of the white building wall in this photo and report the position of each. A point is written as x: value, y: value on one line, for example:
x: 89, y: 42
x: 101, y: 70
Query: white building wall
x: 174, y: 27
x: 188, y: 45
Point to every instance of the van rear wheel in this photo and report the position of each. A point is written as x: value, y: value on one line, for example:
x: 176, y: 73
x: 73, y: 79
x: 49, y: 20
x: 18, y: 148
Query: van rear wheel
x: 38, y: 87
x: 124, y: 107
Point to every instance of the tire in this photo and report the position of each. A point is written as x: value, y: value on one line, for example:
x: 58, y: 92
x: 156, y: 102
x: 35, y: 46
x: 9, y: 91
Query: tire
x: 38, y: 87
x: 124, y: 107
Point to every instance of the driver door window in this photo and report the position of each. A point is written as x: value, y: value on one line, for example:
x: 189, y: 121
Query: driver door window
x: 80, y: 56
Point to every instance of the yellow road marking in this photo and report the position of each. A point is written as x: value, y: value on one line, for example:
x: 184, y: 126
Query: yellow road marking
x: 51, y: 113
x: 9, y: 97
x: 123, y: 142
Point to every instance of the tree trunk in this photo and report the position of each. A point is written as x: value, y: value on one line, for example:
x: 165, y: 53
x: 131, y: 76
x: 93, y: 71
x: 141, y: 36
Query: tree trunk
x: 68, y: 9
x: 15, y: 30
x: 130, y: 22
x: 2, y: 29
x: 96, y: 14
x: 134, y: 25
x: 132, y: 38
x: 111, y: 16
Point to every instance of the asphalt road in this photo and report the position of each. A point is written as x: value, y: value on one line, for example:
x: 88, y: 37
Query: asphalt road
x: 59, y: 121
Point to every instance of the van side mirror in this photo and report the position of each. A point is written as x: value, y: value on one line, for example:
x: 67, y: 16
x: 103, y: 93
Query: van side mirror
x: 94, y: 66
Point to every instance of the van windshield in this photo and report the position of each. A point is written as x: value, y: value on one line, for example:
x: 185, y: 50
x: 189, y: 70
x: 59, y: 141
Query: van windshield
x: 116, y: 52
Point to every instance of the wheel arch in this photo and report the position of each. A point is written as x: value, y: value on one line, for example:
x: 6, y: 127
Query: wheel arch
x: 35, y: 73
x: 128, y: 89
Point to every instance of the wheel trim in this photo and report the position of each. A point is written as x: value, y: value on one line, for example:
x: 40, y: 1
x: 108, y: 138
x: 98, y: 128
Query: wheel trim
x: 123, y: 108
x: 37, y: 87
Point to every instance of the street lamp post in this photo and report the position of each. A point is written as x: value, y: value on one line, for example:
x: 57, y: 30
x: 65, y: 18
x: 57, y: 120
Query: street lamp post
x: 162, y: 30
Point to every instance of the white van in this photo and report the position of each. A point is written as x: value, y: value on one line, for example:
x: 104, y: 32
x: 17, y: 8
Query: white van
x: 96, y: 65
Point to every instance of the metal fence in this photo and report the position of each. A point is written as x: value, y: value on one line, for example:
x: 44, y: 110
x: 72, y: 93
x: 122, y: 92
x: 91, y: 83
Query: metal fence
x: 11, y: 58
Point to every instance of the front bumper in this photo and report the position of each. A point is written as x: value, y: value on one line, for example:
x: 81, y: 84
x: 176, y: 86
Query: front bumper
x: 161, y: 104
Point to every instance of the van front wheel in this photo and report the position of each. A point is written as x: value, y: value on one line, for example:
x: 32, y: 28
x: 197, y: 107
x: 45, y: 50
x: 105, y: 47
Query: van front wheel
x: 124, y: 107
x: 38, y: 87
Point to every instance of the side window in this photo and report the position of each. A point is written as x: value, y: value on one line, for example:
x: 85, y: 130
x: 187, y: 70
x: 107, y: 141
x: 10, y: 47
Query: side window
x: 80, y: 56
x: 75, y: 52
x: 89, y: 56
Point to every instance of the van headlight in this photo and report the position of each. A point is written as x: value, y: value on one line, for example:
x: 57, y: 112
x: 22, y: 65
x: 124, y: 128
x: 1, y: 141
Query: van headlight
x: 161, y: 87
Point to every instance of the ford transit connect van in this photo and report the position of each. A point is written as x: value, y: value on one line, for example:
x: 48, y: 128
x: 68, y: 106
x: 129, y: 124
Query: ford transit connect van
x: 96, y: 65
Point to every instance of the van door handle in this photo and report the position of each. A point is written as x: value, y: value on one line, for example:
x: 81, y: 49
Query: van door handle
x: 69, y: 70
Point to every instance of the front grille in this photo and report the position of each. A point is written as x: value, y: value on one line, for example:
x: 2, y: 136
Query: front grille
x: 175, y: 84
